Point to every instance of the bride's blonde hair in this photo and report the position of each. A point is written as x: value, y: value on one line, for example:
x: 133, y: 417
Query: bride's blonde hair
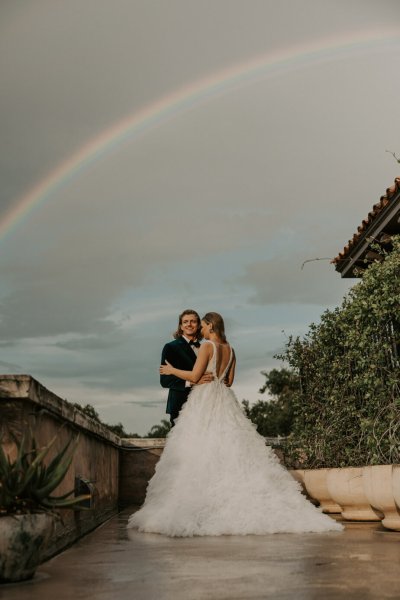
x: 217, y: 322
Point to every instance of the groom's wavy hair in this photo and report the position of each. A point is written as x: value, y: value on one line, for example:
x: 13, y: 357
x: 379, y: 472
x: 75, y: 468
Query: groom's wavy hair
x: 217, y: 322
x: 178, y: 333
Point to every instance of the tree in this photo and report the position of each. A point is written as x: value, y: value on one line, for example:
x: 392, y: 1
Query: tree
x: 88, y: 410
x: 119, y: 430
x: 92, y: 413
x: 275, y: 416
x: 159, y: 431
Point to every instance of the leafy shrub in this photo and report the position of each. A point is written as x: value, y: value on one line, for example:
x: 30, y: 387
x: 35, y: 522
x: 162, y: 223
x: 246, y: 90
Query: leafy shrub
x: 274, y: 417
x: 347, y: 409
x: 159, y: 431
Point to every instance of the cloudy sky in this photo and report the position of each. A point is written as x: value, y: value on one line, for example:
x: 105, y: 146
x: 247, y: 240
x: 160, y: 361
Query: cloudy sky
x: 157, y: 155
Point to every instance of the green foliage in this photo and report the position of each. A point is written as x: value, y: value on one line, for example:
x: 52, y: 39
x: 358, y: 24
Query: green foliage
x: 347, y: 409
x: 118, y: 428
x: 274, y: 417
x: 159, y: 431
x: 27, y: 482
x: 88, y: 410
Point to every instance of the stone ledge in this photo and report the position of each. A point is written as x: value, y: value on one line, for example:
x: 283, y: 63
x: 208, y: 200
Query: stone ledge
x: 26, y: 404
x: 143, y: 443
x: 25, y: 387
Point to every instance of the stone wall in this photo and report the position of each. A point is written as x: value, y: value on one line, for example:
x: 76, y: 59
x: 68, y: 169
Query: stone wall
x: 138, y: 459
x: 118, y: 469
x: 24, y: 404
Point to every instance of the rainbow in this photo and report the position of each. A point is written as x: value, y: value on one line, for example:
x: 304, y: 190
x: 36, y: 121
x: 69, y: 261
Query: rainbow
x: 189, y: 97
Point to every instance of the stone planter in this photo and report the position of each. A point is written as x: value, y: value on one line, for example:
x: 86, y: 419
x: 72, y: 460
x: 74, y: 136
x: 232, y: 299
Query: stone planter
x: 22, y: 541
x: 298, y: 475
x: 379, y: 484
x: 346, y: 487
x: 315, y: 481
x: 396, y: 484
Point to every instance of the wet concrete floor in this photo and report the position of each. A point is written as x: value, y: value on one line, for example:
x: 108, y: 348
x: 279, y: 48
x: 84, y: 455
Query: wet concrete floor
x: 112, y: 563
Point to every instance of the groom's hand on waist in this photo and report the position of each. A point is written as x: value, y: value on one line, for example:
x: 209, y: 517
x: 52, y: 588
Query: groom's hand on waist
x: 206, y: 378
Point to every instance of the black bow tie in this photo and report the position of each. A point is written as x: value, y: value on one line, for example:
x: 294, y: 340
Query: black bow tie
x: 195, y: 344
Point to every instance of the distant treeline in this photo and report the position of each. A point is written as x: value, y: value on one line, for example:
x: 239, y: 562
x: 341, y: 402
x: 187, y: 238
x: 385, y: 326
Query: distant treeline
x: 273, y: 417
x: 156, y: 431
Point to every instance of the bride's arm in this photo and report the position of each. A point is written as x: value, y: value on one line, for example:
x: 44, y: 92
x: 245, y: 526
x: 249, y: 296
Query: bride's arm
x: 199, y: 367
x: 231, y: 373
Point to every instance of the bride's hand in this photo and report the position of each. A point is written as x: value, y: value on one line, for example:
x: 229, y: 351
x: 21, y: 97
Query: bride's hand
x: 166, y: 369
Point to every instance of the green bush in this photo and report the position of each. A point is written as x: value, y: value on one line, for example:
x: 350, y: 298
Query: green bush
x: 347, y: 410
x: 159, y: 431
x: 274, y: 417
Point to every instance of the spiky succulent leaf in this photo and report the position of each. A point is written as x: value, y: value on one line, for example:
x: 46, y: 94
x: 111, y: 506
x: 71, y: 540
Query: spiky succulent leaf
x: 58, y: 458
x: 57, y: 476
x: 26, y: 482
x: 36, y: 464
x: 4, y: 463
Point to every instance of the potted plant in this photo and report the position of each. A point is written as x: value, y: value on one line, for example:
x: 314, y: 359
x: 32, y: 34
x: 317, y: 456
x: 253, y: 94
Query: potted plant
x: 27, y: 508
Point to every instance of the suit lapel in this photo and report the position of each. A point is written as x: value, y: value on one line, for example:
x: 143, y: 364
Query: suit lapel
x: 187, y: 350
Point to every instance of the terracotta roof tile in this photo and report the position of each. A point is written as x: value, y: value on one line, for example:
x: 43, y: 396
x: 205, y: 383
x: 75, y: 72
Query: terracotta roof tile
x: 376, y: 209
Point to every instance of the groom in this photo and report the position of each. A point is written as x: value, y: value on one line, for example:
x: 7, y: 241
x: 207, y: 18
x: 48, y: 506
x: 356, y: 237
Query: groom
x: 182, y: 354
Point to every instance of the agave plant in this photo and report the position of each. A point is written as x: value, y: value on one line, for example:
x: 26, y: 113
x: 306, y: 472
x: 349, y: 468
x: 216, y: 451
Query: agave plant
x: 27, y: 482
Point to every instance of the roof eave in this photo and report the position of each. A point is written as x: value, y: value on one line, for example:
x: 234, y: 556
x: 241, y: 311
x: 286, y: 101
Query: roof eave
x: 346, y: 265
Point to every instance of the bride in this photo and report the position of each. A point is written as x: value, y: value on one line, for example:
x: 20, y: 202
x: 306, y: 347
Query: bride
x: 216, y: 476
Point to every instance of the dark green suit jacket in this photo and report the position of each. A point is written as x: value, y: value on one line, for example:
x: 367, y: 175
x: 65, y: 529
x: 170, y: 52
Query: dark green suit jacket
x: 180, y: 355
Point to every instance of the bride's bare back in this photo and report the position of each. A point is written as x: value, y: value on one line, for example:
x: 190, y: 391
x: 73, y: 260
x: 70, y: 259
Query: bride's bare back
x: 221, y: 359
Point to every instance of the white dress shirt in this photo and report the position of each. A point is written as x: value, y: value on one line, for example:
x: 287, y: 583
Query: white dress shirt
x: 196, y: 351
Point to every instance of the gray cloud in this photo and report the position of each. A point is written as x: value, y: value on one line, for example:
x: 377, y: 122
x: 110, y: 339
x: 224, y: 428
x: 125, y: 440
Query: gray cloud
x: 90, y: 257
x: 10, y: 367
x: 150, y: 404
x: 283, y: 281
x: 91, y: 343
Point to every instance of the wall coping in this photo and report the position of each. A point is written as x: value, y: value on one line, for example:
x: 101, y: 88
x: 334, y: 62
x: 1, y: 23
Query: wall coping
x: 143, y: 442
x: 25, y: 387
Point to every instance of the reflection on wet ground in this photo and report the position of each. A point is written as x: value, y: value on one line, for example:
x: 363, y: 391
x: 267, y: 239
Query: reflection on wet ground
x: 115, y: 563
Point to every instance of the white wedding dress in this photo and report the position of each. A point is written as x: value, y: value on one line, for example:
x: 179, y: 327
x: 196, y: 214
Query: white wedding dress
x: 216, y: 476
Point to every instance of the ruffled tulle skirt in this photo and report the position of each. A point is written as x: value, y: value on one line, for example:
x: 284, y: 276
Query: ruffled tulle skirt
x: 216, y: 476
